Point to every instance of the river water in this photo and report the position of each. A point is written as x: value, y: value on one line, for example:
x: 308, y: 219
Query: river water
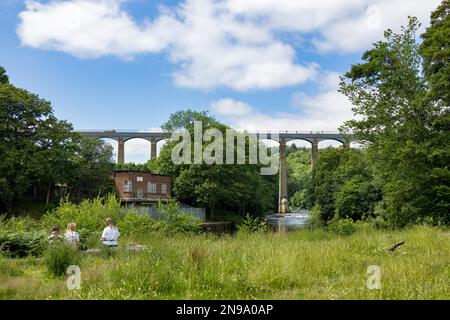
x: 290, y: 221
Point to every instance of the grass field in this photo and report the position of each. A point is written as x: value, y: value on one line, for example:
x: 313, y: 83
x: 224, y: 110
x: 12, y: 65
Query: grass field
x: 299, y: 265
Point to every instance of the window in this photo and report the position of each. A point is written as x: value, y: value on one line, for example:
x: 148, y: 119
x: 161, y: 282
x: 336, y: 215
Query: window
x: 164, y: 188
x: 139, y: 179
x: 127, y: 186
x: 151, y: 187
x: 140, y: 193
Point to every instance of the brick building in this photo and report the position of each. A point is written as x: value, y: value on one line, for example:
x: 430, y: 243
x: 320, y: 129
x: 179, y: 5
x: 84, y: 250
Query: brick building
x: 142, y: 188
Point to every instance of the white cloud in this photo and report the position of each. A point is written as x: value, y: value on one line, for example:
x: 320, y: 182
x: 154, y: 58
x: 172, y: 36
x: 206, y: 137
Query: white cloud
x: 342, y: 26
x: 210, y: 46
x: 231, y: 107
x: 87, y: 29
x: 324, y: 111
x: 230, y: 43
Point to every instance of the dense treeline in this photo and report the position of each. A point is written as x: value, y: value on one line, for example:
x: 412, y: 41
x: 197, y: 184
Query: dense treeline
x: 401, y: 97
x: 41, y: 159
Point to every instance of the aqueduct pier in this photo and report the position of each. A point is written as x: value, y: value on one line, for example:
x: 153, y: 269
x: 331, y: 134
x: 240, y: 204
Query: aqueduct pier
x: 282, y: 137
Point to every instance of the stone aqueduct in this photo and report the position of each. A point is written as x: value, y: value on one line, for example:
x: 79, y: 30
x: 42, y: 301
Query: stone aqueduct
x: 282, y: 137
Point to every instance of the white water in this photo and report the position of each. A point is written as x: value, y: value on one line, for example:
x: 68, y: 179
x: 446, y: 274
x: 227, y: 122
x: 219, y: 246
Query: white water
x: 293, y: 220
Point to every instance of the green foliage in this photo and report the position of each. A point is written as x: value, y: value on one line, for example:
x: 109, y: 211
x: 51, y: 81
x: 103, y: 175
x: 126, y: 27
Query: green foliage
x: 9, y: 268
x: 59, y: 256
x: 22, y: 243
x: 315, y: 220
x: 219, y: 188
x: 343, y: 226
x: 94, y: 165
x: 404, y: 119
x: 298, y: 164
x: 42, y: 156
x: 253, y: 224
x: 435, y: 50
x: 253, y: 266
x: 356, y: 199
x: 134, y: 224
x: 89, y: 215
x: 21, y: 236
x: 33, y: 143
x: 19, y: 224
x: 343, y: 185
x: 174, y: 220
x: 3, y: 76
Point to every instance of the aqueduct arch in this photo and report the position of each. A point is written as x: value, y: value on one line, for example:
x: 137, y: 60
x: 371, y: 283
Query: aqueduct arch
x: 281, y: 137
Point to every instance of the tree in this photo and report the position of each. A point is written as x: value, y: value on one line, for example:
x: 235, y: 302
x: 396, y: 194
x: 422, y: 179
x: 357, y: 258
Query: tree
x: 397, y: 124
x: 435, y: 50
x: 94, y: 167
x: 343, y: 185
x: 219, y: 188
x: 3, y: 77
x: 298, y: 164
x: 356, y: 199
x: 38, y: 152
x: 30, y: 139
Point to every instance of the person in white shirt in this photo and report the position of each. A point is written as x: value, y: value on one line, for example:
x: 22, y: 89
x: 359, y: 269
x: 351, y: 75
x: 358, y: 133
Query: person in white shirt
x: 71, y: 235
x: 110, y: 235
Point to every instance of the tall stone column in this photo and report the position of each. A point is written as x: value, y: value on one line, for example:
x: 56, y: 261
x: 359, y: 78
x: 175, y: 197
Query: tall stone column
x: 121, y: 151
x: 153, y: 148
x: 314, y: 152
x: 282, y: 176
x: 346, y: 143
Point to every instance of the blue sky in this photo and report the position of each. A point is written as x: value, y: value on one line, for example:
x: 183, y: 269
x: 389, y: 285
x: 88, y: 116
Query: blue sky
x: 128, y: 64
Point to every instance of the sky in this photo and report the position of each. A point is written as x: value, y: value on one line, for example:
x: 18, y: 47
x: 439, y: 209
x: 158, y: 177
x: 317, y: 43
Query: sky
x: 253, y: 64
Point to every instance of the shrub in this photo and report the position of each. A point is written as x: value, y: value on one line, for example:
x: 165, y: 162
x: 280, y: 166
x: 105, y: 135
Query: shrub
x: 315, y: 219
x: 19, y: 224
x: 22, y: 243
x: 174, y: 220
x: 134, y: 224
x: 59, y: 256
x: 89, y: 215
x: 343, y: 226
x: 253, y: 224
x: 356, y: 198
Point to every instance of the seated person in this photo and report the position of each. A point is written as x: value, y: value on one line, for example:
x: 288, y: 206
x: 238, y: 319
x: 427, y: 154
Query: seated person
x: 110, y: 235
x: 55, y: 235
x: 71, y: 235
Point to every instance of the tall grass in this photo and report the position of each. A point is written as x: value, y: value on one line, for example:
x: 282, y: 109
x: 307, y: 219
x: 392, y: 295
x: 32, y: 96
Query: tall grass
x: 308, y: 264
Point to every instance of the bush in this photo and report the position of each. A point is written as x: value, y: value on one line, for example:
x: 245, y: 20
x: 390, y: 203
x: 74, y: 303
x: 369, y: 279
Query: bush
x: 343, y: 226
x: 134, y: 224
x: 89, y: 215
x: 22, y: 243
x: 175, y: 220
x: 315, y: 219
x: 19, y: 224
x: 253, y: 224
x: 59, y: 256
x: 356, y: 198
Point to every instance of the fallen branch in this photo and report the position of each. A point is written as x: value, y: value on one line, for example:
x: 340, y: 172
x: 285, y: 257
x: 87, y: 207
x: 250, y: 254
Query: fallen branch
x: 395, y: 246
